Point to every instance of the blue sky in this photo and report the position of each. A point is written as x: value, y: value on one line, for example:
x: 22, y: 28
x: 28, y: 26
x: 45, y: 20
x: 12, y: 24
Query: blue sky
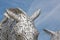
x: 49, y: 17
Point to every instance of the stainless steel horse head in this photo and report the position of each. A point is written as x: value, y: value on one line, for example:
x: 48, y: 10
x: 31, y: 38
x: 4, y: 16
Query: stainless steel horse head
x: 24, y: 28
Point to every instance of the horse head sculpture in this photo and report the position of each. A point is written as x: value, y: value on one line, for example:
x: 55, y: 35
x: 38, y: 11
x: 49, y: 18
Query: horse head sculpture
x: 24, y: 28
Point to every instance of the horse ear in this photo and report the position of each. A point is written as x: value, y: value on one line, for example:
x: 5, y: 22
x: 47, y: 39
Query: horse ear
x: 13, y: 15
x: 49, y: 31
x: 35, y: 14
x: 6, y: 15
x: 22, y: 11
